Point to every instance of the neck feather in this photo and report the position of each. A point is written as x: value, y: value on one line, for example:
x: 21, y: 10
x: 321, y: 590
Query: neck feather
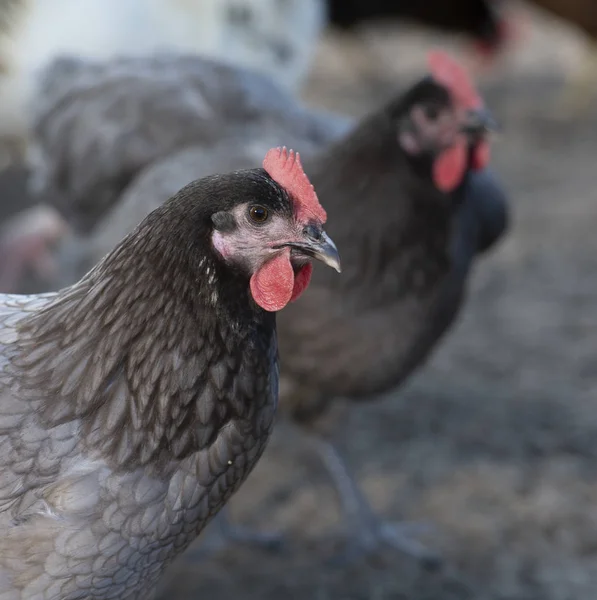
x: 129, y: 349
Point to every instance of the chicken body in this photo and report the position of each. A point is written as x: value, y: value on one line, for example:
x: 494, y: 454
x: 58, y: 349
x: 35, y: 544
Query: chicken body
x: 268, y: 36
x: 479, y: 20
x: 98, y: 124
x: 134, y: 403
x: 93, y: 502
x: 405, y: 271
x: 404, y: 284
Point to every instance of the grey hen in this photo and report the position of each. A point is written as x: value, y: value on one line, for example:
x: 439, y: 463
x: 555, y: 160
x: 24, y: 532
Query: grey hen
x: 96, y: 125
x: 135, y: 402
x: 412, y: 212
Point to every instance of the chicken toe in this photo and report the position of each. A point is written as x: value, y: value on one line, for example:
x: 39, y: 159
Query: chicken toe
x: 366, y: 534
x: 369, y: 538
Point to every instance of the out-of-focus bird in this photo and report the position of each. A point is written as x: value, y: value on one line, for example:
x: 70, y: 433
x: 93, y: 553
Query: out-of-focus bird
x: 413, y: 212
x: 482, y: 21
x: 134, y: 403
x: 406, y: 176
x: 276, y: 37
x: 579, y: 94
x: 97, y: 125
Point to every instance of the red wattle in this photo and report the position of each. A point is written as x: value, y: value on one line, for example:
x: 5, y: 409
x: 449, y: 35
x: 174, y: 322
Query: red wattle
x: 480, y: 156
x: 272, y: 286
x: 450, y: 166
x: 301, y: 281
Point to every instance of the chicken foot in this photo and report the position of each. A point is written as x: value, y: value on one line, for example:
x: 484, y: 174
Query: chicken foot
x: 367, y: 533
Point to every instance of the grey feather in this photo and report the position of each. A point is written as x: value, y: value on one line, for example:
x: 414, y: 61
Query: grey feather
x: 97, y: 125
x: 122, y: 430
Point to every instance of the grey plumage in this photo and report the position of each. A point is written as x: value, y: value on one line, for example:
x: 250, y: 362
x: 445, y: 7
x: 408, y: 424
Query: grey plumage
x: 114, y: 140
x: 132, y: 405
x: 272, y: 37
x: 408, y: 250
x: 97, y: 125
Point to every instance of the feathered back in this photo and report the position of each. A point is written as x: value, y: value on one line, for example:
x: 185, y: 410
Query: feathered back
x: 97, y: 125
x: 272, y: 37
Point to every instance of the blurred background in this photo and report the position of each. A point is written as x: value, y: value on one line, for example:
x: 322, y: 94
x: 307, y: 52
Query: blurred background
x: 494, y: 441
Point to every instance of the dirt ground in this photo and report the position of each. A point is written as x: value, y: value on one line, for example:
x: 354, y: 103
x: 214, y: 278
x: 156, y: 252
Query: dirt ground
x: 495, y: 440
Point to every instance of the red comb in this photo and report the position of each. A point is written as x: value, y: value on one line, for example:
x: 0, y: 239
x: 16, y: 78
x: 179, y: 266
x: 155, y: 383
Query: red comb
x: 447, y: 71
x: 285, y: 168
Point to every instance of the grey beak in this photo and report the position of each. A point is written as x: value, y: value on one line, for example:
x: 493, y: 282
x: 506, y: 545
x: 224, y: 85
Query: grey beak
x: 320, y: 247
x: 479, y: 122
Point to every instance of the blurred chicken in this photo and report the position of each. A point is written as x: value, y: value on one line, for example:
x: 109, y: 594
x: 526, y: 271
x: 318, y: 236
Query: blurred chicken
x: 135, y: 402
x: 410, y: 212
x: 97, y: 125
x: 276, y: 37
x: 481, y: 20
x: 580, y: 92
x: 407, y: 176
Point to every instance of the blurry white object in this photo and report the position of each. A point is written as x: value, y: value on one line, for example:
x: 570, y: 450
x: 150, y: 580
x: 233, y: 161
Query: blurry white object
x: 275, y: 37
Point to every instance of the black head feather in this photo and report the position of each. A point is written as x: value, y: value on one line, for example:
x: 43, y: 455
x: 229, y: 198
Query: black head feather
x: 176, y: 237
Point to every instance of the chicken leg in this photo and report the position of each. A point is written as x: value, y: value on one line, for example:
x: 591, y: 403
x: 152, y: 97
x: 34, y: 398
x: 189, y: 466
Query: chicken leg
x: 367, y: 533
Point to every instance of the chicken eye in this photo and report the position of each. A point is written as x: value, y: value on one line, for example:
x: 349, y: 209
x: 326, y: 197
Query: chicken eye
x: 258, y: 214
x: 431, y: 112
